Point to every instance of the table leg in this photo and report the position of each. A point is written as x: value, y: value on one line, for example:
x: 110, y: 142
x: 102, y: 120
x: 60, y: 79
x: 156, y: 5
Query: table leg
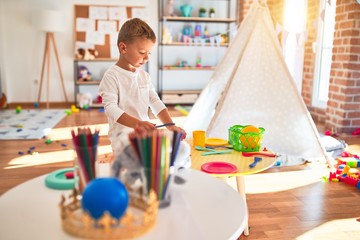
x: 240, y: 182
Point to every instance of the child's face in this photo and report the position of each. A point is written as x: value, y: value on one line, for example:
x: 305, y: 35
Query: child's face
x: 136, y: 53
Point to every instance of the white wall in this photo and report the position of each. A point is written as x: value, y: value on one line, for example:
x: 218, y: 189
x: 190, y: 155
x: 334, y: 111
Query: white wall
x: 22, y: 47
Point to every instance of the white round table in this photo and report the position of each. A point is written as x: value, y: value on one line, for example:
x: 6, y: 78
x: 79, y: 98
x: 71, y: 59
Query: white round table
x: 202, y: 208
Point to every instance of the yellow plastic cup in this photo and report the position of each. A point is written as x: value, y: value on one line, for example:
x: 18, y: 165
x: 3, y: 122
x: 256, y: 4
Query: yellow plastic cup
x: 199, y: 137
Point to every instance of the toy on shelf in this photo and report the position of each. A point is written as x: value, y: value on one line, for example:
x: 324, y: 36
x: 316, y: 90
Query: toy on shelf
x: 186, y: 33
x: 83, y: 73
x: 169, y: 8
x: 186, y: 10
x: 198, y: 62
x: 197, y: 31
x: 202, y: 12
x: 166, y: 36
x: 212, y: 13
x: 86, y: 54
x: 206, y: 34
x: 84, y: 100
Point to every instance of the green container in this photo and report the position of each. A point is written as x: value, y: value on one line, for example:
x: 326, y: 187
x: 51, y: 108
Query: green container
x: 245, y: 142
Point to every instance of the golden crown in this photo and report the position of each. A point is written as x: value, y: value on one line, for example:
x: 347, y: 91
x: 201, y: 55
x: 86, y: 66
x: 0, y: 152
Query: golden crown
x: 139, y: 217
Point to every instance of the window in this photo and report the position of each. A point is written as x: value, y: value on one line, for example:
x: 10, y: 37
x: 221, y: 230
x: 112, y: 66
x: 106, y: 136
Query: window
x: 293, y: 43
x: 323, y: 49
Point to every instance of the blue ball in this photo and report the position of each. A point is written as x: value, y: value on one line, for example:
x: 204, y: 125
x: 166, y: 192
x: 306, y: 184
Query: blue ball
x: 105, y: 194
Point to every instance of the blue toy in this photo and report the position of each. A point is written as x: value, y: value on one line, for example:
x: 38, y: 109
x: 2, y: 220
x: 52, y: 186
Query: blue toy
x: 105, y: 195
x: 186, y: 10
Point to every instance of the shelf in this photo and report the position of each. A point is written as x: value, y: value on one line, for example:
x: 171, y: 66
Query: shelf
x: 187, y: 42
x: 96, y: 60
x: 190, y: 68
x: 93, y: 82
x: 195, y: 45
x: 180, y: 96
x: 199, y: 19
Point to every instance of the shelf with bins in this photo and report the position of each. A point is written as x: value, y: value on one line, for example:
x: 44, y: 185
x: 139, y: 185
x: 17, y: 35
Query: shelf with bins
x: 180, y: 96
x: 96, y: 69
x: 199, y: 19
x: 192, y: 46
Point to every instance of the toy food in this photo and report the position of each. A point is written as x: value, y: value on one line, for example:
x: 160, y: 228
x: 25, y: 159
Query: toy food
x: 251, y: 141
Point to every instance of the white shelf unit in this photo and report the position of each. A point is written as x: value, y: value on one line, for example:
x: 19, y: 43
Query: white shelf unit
x: 180, y: 79
x: 97, y: 68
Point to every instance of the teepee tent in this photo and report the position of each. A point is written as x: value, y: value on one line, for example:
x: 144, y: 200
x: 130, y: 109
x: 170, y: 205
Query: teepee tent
x: 252, y: 85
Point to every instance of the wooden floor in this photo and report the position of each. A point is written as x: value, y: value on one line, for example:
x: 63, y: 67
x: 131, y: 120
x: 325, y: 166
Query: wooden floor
x: 284, y: 203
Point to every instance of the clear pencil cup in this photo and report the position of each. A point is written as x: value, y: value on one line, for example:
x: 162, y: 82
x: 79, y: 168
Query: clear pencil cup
x: 160, y: 181
x: 84, y: 166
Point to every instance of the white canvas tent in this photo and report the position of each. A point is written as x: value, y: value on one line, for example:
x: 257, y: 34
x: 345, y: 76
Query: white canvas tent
x: 252, y: 85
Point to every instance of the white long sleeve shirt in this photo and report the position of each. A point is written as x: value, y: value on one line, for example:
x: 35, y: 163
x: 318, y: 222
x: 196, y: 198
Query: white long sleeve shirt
x: 131, y: 92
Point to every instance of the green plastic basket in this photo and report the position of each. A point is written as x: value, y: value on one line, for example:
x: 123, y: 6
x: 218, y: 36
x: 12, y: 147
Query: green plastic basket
x: 245, y: 142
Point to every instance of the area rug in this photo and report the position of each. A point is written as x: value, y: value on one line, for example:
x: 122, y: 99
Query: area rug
x: 28, y: 124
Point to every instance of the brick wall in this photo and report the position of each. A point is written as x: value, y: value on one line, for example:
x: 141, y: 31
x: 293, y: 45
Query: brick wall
x: 244, y: 8
x: 343, y: 110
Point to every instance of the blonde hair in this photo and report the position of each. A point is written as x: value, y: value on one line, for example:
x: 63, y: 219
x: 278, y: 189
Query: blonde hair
x: 134, y: 29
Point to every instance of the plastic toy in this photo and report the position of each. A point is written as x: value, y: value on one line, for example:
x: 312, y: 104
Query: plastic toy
x: 197, y: 31
x: 86, y: 54
x: 202, y: 12
x: 169, y: 8
x: 345, y: 173
x: 105, y: 195
x: 198, y: 62
x: 246, y: 138
x: 83, y: 73
x: 256, y: 160
x: 356, y: 132
x: 18, y: 109
x: 212, y: 13
x: 186, y: 10
x: 74, y: 109
x: 166, y: 37
x: 58, y: 180
x: 187, y: 31
x: 84, y: 100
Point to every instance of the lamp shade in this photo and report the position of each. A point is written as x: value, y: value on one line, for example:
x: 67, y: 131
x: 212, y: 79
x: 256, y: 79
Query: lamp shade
x: 48, y: 20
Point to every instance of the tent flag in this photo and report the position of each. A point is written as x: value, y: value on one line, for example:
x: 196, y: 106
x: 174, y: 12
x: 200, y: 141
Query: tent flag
x: 252, y: 85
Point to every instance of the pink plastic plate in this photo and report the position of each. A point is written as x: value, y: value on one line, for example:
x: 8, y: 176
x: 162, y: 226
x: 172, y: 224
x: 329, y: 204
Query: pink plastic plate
x: 218, y: 167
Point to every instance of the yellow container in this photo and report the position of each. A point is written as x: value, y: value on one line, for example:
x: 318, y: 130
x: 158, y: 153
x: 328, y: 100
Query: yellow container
x: 199, y: 137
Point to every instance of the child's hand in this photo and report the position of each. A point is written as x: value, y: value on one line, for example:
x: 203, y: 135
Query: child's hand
x: 178, y: 129
x: 146, y: 125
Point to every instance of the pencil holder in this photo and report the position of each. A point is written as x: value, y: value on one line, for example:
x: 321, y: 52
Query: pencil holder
x: 147, y: 164
x: 159, y: 179
x: 84, y: 166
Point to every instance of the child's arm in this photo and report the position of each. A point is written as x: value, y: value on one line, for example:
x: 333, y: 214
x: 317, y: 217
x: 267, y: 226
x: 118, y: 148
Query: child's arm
x: 130, y: 121
x: 165, y: 117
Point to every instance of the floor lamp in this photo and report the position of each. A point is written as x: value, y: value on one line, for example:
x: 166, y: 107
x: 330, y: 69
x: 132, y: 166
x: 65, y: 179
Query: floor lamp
x: 49, y: 21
